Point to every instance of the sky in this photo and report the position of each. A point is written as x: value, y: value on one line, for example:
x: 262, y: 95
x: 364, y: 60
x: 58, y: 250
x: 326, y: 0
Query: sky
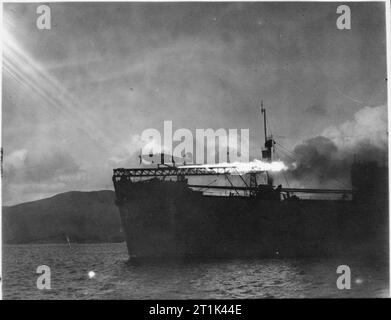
x: 76, y: 97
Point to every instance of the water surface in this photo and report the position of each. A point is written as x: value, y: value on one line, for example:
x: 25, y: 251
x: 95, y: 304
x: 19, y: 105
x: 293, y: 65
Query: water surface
x: 115, y: 279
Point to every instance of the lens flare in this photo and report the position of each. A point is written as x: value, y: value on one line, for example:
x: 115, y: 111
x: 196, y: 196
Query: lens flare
x: 33, y: 77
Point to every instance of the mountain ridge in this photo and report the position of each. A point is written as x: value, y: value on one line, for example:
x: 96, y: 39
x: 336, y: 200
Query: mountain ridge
x: 80, y: 216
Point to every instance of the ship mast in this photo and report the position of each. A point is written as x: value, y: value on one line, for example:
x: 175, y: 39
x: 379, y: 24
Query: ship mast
x: 267, y: 151
x: 263, y: 111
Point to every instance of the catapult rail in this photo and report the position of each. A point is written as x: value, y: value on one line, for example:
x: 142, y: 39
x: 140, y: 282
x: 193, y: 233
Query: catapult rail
x: 288, y: 190
x: 210, y: 171
x: 338, y: 191
x: 171, y: 171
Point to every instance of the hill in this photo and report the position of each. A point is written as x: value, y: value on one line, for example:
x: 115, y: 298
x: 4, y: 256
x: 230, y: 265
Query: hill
x: 80, y: 216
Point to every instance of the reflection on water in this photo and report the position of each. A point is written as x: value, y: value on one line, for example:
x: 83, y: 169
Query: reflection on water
x: 99, y: 271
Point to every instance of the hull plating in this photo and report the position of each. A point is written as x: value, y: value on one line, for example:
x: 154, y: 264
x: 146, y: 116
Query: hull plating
x: 169, y: 220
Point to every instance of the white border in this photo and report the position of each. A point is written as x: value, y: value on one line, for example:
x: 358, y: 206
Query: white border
x: 388, y: 38
x: 65, y: 1
x: 1, y: 145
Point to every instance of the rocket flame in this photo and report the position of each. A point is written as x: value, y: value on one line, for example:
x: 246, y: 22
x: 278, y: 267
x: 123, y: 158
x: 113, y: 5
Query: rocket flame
x: 240, y: 168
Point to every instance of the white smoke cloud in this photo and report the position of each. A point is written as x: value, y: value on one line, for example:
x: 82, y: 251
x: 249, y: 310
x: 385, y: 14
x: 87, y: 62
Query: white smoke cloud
x: 369, y: 125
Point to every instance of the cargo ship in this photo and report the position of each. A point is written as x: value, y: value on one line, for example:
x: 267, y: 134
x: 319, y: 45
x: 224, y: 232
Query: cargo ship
x: 164, y: 217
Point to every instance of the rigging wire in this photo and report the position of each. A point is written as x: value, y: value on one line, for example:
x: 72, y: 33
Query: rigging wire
x: 286, y: 153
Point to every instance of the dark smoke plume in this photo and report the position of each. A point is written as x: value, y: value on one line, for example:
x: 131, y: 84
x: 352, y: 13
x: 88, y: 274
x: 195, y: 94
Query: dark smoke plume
x: 325, y: 161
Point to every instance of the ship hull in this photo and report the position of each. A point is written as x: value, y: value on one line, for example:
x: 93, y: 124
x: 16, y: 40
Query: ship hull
x: 168, y: 220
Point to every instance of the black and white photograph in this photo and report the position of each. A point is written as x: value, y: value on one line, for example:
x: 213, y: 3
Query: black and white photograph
x: 194, y: 151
